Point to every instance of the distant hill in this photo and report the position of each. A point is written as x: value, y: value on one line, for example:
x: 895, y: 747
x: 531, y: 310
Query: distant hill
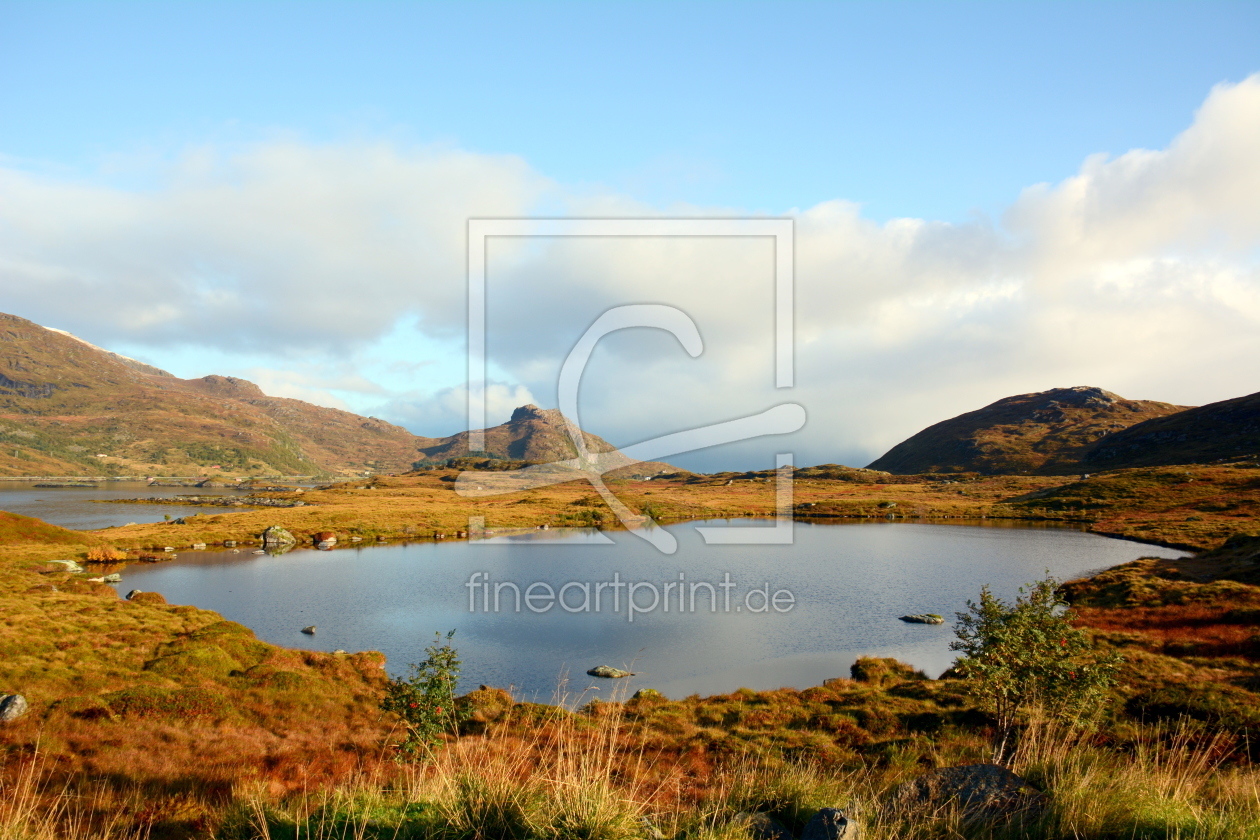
x: 68, y: 407
x: 1048, y: 432
x: 533, y: 436
x: 1222, y: 430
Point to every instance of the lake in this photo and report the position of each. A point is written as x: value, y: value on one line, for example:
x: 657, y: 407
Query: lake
x: 74, y: 507
x: 725, y: 616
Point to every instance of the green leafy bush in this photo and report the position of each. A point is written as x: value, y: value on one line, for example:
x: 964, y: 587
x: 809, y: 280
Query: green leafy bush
x: 1016, y: 656
x: 425, y: 700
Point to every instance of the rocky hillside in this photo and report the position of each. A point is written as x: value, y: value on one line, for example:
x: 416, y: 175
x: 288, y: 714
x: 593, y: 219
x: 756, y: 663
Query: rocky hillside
x: 533, y: 434
x: 1229, y: 429
x: 1050, y: 432
x: 70, y: 408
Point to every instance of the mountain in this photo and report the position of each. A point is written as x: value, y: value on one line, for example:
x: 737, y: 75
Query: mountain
x: 1048, y: 432
x: 1222, y: 430
x: 533, y: 434
x: 68, y: 407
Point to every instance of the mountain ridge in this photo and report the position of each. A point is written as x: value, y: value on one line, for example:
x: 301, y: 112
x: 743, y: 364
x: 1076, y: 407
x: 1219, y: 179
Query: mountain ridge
x: 68, y: 407
x: 1045, y: 432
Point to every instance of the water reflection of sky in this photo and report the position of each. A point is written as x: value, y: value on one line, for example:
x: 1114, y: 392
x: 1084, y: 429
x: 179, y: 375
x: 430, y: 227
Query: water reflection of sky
x: 75, y: 507
x: 850, y: 582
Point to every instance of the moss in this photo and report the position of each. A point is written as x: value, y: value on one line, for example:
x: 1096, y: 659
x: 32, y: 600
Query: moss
x: 279, y: 679
x: 203, y: 662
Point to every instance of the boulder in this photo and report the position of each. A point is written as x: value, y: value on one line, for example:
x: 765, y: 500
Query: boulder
x: 114, y: 578
x: 71, y: 566
x: 978, y: 792
x: 12, y: 707
x: 326, y: 537
x: 761, y: 826
x: 608, y: 672
x: 310, y: 631
x: 831, y: 824
x: 277, y: 536
x: 648, y: 694
x: 925, y: 618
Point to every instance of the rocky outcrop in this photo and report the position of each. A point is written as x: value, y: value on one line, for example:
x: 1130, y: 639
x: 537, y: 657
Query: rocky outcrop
x: 831, y: 824
x: 923, y: 618
x: 976, y: 792
x: 276, y: 536
x: 761, y: 826
x: 12, y: 707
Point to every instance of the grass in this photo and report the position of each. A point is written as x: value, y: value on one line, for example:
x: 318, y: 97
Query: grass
x: 166, y: 721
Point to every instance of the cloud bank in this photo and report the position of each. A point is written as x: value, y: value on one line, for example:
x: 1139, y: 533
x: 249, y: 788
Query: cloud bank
x: 1140, y: 274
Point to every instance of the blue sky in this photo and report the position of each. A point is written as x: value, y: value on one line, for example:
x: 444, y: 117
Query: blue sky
x: 846, y: 116
x: 910, y: 109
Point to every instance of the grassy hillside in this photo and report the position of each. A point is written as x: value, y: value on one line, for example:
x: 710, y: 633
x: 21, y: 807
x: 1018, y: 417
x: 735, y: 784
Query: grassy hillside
x: 69, y: 408
x: 1229, y: 429
x: 1044, y: 433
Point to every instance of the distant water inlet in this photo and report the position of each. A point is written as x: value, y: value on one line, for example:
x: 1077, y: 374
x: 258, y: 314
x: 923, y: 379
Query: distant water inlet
x: 536, y: 611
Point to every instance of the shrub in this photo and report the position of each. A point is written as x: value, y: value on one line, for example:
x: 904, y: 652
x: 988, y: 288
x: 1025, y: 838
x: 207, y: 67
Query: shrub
x: 425, y: 700
x: 1025, y: 654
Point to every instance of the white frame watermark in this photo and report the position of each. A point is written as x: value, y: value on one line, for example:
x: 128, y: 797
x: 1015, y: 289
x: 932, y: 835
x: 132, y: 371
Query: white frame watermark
x: 782, y: 419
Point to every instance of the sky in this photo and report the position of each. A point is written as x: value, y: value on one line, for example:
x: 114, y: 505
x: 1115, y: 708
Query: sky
x: 988, y: 199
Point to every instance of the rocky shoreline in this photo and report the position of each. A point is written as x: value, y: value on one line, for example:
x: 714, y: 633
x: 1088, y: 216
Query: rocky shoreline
x: 217, y: 501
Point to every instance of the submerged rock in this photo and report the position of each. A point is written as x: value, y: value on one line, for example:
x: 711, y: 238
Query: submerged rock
x: 608, y: 672
x: 925, y: 618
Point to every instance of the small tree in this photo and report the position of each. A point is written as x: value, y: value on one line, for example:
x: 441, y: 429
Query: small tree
x: 1025, y: 654
x: 425, y: 700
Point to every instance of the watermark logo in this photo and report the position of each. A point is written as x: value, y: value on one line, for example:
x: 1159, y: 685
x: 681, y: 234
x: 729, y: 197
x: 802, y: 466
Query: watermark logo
x: 592, y: 466
x: 637, y: 597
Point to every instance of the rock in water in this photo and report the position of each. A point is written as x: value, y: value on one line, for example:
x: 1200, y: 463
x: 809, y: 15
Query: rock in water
x: 979, y: 792
x: 831, y: 824
x: 310, y: 631
x: 925, y: 618
x: 12, y: 707
x: 277, y: 536
x: 608, y: 673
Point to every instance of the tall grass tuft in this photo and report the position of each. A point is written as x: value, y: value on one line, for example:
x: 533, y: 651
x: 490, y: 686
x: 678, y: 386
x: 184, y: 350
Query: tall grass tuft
x: 32, y: 809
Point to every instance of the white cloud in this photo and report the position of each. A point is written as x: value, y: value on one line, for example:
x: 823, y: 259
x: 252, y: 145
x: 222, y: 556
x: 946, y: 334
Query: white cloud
x: 1138, y: 274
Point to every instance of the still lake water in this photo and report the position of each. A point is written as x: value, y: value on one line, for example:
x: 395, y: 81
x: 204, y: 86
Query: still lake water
x: 848, y: 583
x: 74, y: 507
